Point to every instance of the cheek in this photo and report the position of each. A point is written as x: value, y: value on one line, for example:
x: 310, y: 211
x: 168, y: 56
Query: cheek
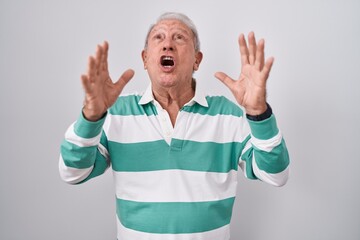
x: 152, y: 60
x: 188, y: 57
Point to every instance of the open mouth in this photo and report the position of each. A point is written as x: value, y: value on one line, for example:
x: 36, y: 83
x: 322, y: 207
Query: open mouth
x: 167, y: 61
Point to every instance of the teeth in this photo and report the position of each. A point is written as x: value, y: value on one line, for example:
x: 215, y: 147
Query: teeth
x: 167, y: 61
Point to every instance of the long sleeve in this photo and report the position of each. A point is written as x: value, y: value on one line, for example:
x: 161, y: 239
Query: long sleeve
x: 83, y: 153
x: 265, y: 155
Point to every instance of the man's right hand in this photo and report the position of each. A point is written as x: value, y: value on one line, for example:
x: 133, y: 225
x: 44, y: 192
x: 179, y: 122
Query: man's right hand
x: 100, y: 91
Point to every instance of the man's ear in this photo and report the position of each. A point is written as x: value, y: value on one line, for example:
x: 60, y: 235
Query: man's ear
x: 198, y: 58
x: 144, y: 58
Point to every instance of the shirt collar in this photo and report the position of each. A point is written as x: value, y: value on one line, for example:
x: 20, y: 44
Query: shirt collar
x: 147, y: 96
x: 199, y: 97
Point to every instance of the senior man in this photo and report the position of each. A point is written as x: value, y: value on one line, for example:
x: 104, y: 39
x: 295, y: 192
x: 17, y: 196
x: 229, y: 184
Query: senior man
x: 174, y: 150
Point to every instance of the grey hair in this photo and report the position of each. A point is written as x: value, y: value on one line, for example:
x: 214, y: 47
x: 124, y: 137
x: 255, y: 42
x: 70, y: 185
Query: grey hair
x: 182, y: 18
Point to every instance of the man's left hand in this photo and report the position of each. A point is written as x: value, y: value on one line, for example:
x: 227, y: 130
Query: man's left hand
x: 250, y: 89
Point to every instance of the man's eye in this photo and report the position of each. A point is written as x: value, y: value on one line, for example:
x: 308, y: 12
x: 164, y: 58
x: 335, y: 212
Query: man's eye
x: 158, y: 36
x: 179, y: 37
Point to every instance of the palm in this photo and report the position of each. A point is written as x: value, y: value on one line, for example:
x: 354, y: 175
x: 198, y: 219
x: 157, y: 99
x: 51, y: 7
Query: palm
x: 249, y: 89
x: 100, y: 91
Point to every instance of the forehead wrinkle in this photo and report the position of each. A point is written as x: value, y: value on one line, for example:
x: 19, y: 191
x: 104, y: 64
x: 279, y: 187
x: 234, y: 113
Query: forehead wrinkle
x: 164, y: 27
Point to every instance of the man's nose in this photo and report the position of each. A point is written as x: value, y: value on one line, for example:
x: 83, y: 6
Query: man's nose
x: 168, y: 49
x: 168, y: 45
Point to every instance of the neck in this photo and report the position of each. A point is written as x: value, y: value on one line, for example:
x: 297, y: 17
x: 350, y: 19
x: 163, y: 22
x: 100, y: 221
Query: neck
x: 174, y: 97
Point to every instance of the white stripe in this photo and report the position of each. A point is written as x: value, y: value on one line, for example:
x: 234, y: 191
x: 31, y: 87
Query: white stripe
x: 275, y: 179
x: 103, y: 151
x: 72, y: 175
x: 126, y: 129
x: 248, y: 145
x: 218, y: 128
x: 175, y: 186
x: 71, y: 137
x: 189, y: 126
x: 242, y: 165
x: 267, y: 145
x: 123, y: 233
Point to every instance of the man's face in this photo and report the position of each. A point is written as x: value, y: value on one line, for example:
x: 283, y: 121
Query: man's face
x: 170, y: 57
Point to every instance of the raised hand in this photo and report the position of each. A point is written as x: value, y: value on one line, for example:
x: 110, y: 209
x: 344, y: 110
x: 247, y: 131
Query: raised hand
x: 100, y: 91
x: 250, y: 89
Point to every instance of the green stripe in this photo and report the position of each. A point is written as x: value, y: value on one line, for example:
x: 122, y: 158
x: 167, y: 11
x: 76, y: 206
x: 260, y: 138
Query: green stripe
x: 265, y: 129
x: 217, y: 105
x: 99, y: 168
x: 77, y: 157
x: 184, y: 155
x: 129, y: 105
x: 247, y: 157
x: 275, y: 161
x: 174, y: 217
x: 83, y: 157
x: 103, y: 140
x: 87, y: 129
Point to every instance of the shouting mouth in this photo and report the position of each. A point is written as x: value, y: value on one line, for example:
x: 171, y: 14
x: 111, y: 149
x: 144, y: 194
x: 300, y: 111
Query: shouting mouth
x: 167, y: 63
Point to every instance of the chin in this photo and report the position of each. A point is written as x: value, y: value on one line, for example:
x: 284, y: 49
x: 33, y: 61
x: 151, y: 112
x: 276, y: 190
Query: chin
x: 167, y: 81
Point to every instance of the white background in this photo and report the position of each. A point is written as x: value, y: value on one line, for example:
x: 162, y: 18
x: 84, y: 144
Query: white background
x: 313, y: 89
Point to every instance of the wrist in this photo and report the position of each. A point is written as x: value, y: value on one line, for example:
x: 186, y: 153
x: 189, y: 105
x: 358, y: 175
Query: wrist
x: 88, y: 129
x: 260, y: 115
x: 91, y: 116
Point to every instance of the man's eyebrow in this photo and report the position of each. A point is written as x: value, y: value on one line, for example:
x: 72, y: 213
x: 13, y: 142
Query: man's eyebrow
x: 185, y: 31
x: 157, y: 29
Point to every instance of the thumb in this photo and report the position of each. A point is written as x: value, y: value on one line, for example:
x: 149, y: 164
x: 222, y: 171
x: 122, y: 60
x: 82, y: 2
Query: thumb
x: 224, y: 78
x: 124, y: 79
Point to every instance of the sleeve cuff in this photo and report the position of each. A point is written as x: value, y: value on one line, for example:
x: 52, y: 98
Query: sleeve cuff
x: 87, y: 129
x: 264, y: 129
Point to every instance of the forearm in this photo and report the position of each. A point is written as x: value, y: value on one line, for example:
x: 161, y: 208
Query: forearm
x: 81, y: 157
x: 266, y: 156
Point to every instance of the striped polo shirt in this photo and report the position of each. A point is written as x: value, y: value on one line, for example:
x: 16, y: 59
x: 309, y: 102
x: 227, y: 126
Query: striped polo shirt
x: 174, y: 182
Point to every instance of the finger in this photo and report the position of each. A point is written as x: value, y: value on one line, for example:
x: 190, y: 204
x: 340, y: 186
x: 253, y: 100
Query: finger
x: 104, y: 56
x: 267, y: 67
x: 244, y: 52
x: 124, y: 79
x: 224, y: 78
x: 91, y: 69
x: 98, y: 57
x: 86, y: 83
x: 252, y: 47
x: 260, y: 56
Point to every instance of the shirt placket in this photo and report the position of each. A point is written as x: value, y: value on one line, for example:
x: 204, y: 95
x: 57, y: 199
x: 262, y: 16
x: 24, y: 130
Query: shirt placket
x: 165, y: 123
